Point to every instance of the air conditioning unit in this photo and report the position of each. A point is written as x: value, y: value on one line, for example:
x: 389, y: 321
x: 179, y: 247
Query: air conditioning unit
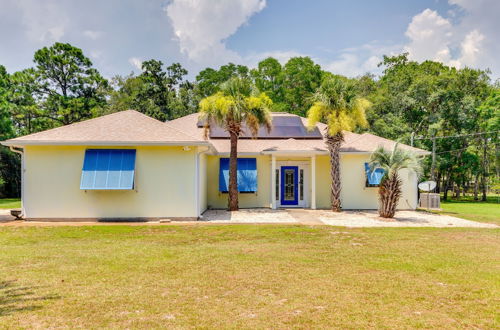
x: 430, y: 201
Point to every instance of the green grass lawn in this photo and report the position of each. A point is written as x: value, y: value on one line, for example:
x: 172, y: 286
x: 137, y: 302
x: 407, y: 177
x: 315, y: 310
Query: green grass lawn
x: 10, y: 203
x: 467, y: 208
x: 248, y: 276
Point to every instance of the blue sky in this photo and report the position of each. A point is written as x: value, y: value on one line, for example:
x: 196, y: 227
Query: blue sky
x: 324, y: 27
x: 346, y: 37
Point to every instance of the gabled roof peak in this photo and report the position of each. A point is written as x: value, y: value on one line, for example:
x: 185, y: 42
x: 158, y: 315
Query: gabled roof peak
x: 127, y: 127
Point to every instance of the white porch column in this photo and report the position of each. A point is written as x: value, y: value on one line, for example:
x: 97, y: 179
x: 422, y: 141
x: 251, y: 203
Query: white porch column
x: 273, y: 182
x: 313, y: 182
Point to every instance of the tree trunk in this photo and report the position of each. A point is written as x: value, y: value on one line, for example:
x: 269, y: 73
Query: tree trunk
x: 446, y: 185
x: 484, y: 180
x: 438, y: 181
x: 334, y: 143
x: 233, y: 183
x: 484, y: 188
x: 389, y: 194
x: 497, y: 157
x: 476, y: 187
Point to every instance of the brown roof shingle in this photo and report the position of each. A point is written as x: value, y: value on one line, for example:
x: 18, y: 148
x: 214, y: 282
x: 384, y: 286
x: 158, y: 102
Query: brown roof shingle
x: 352, y: 142
x: 367, y: 142
x: 134, y: 128
x: 295, y: 145
x: 120, y: 128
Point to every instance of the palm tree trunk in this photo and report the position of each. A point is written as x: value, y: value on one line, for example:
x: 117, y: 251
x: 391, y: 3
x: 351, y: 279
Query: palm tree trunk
x: 334, y: 143
x: 389, y: 194
x: 233, y: 183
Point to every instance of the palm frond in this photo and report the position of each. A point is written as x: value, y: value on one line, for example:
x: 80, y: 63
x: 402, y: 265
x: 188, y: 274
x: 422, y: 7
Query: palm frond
x: 337, y: 104
x: 395, y: 160
x: 315, y: 114
x: 237, y: 102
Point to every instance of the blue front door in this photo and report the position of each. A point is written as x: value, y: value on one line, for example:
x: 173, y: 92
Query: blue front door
x: 289, y: 185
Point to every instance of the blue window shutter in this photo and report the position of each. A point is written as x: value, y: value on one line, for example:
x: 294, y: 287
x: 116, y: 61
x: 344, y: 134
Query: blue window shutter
x: 88, y: 171
x: 374, y: 177
x: 379, y: 174
x: 101, y: 170
x: 114, y: 169
x: 223, y: 174
x: 108, y: 169
x: 246, y: 174
x: 127, y: 169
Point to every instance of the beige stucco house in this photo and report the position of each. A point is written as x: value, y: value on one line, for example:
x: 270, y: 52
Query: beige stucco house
x: 128, y: 165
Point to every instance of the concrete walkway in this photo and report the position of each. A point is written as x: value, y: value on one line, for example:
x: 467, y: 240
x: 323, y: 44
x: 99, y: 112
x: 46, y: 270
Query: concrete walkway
x: 5, y: 215
x: 289, y: 216
x: 402, y: 219
x: 365, y: 218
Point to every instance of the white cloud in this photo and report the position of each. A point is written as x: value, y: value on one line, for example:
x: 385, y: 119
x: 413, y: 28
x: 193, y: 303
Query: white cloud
x: 195, y: 33
x: 91, y: 34
x: 95, y: 54
x: 353, y: 65
x: 430, y: 37
x: 202, y: 27
x: 471, y: 39
x: 471, y: 48
x: 44, y: 21
x: 253, y: 60
x: 356, y: 61
x: 136, y: 62
x: 348, y: 64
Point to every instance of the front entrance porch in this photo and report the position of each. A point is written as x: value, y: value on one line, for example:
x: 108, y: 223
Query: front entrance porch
x: 289, y: 186
x: 293, y: 181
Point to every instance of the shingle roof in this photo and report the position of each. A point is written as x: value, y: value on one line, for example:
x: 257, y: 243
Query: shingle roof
x: 120, y: 128
x: 367, y: 142
x: 352, y: 142
x: 294, y: 145
x: 134, y: 128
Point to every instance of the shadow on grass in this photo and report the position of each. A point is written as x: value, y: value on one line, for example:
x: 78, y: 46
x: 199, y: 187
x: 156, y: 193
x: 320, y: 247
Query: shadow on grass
x: 447, y: 212
x: 470, y: 199
x: 17, y: 298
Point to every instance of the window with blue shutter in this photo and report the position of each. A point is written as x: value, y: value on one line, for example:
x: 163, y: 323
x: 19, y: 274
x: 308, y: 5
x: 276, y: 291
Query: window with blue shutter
x: 246, y: 174
x: 373, y: 178
x: 108, y: 169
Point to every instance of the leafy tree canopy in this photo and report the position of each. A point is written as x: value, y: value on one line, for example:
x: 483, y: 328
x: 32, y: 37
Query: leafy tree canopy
x: 157, y: 92
x: 301, y: 79
x: 66, y: 85
x: 6, y: 130
x: 209, y: 80
x: 268, y: 77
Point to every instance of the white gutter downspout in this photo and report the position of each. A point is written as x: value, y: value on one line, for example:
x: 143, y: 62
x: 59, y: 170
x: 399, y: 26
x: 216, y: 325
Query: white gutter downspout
x: 197, y: 181
x: 20, y: 151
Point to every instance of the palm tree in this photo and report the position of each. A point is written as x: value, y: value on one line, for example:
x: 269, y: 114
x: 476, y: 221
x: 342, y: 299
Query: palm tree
x: 390, y: 185
x: 337, y: 104
x: 237, y: 103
